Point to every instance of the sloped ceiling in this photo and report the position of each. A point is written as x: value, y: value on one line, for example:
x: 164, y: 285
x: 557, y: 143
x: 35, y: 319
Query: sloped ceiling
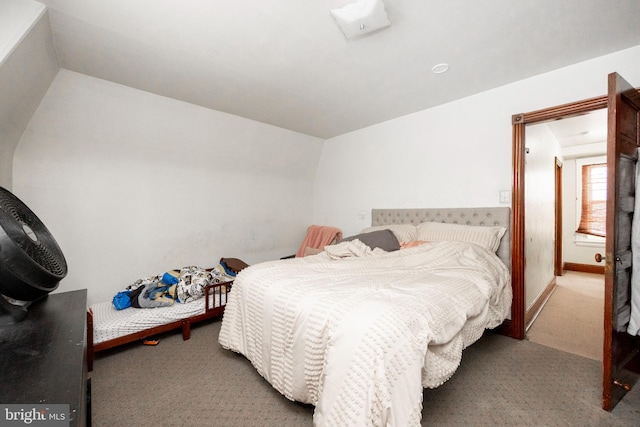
x: 287, y: 63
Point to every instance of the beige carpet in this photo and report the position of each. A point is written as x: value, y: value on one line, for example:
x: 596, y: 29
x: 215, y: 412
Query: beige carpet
x: 572, y: 320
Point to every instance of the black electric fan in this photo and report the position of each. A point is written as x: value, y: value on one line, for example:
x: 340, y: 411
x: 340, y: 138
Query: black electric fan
x: 31, y: 262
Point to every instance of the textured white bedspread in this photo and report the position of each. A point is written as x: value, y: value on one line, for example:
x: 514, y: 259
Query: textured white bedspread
x: 359, y: 337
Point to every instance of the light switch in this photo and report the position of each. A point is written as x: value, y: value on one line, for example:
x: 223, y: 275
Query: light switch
x: 505, y: 196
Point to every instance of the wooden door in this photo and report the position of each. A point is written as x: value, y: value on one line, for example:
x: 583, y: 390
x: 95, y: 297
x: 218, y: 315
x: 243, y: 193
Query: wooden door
x: 620, y: 350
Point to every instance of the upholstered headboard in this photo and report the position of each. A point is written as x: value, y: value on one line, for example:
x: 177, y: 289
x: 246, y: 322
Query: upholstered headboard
x: 497, y: 216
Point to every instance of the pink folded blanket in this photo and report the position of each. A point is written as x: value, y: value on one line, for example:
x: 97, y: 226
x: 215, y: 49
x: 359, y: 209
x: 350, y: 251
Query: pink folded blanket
x: 319, y: 236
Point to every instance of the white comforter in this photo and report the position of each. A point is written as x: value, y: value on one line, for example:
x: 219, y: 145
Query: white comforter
x: 359, y: 334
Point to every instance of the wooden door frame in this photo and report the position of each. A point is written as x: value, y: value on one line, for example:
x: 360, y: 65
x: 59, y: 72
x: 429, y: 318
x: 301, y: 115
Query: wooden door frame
x: 557, y: 263
x: 519, y: 121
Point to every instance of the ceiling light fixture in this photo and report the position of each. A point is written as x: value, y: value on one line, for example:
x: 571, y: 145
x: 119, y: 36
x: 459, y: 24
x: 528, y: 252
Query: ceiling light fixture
x: 361, y: 17
x: 440, y: 68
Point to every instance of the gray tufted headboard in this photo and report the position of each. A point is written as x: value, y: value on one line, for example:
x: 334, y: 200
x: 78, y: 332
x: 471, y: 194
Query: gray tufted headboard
x: 469, y: 216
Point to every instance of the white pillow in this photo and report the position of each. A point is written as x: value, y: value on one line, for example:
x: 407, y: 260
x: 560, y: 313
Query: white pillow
x: 487, y: 237
x: 403, y: 232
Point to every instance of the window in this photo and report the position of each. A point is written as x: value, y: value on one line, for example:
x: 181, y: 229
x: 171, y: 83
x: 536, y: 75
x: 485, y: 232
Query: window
x: 592, y: 199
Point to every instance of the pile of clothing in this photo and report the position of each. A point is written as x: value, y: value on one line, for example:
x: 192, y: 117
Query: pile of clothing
x: 163, y: 290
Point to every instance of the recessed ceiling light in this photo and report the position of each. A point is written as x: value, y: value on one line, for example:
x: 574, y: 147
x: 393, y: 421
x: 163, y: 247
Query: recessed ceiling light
x: 440, y: 68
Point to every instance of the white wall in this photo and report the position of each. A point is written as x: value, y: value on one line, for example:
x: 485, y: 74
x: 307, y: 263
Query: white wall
x: 28, y: 64
x: 435, y: 158
x: 457, y: 154
x: 132, y: 184
x: 16, y: 17
x: 539, y: 252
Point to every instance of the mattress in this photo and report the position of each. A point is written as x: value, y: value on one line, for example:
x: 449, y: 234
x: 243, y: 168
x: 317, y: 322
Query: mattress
x: 109, y: 323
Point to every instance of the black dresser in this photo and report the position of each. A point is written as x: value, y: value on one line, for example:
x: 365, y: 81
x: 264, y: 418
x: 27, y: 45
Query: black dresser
x: 43, y: 357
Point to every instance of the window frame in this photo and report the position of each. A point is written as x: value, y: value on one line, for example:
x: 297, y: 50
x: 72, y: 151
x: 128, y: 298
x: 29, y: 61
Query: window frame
x: 582, y: 239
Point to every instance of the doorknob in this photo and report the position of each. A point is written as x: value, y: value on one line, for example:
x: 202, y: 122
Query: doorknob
x: 599, y: 258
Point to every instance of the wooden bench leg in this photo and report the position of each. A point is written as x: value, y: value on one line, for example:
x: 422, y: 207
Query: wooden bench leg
x: 186, y: 329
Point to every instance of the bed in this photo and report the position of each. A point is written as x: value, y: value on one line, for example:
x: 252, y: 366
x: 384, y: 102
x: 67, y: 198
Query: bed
x: 108, y: 327
x: 358, y: 331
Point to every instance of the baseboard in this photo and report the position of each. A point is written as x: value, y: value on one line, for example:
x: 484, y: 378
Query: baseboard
x: 584, y: 268
x: 535, y: 309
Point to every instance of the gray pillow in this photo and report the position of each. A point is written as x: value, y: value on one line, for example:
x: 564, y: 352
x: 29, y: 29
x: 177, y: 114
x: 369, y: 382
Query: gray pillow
x: 383, y: 239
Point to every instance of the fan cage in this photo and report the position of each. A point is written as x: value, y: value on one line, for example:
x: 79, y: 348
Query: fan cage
x: 30, y: 236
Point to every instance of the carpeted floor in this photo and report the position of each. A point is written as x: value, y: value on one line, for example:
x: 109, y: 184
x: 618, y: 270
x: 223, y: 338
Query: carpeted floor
x: 572, y: 319
x: 196, y: 383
